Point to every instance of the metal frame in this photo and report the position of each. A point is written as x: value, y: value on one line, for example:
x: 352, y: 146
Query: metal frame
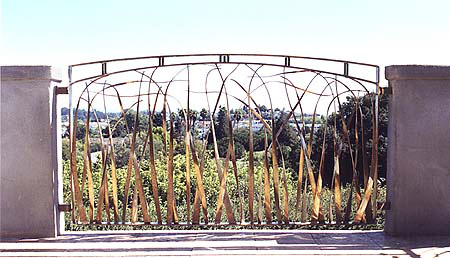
x: 285, y: 61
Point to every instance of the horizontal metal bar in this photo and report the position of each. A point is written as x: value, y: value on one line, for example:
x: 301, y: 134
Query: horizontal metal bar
x: 194, y: 55
x: 62, y: 90
x: 213, y: 225
x: 66, y: 207
x: 249, y: 63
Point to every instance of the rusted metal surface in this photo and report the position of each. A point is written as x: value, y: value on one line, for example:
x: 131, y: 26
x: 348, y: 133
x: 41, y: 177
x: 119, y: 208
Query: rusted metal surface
x: 130, y: 91
x: 62, y: 90
x: 65, y: 207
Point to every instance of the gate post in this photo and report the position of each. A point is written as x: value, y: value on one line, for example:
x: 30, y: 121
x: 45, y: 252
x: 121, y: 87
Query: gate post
x: 418, y: 176
x: 29, y: 152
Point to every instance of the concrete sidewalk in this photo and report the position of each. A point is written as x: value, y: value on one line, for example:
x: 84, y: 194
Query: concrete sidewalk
x: 176, y: 243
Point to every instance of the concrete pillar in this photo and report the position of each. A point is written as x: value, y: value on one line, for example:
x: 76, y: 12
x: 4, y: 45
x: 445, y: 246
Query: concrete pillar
x: 418, y: 176
x: 29, y: 164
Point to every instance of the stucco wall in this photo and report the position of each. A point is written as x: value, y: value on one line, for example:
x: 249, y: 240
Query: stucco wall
x: 27, y: 207
x: 419, y: 150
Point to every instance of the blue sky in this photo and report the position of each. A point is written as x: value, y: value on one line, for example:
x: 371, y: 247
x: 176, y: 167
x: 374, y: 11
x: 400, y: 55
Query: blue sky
x: 58, y: 32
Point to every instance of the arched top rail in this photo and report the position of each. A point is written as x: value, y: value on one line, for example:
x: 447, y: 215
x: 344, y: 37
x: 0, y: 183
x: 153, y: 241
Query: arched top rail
x: 354, y: 70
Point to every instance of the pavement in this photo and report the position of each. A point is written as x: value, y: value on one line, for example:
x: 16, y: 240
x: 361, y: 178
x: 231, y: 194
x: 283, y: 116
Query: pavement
x: 244, y: 243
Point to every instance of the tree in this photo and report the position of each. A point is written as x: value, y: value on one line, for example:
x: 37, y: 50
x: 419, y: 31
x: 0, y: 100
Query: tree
x: 204, y: 114
x: 81, y: 131
x: 221, y: 124
x: 288, y: 142
x: 157, y: 119
x: 237, y: 115
x: 193, y: 115
x: 265, y: 112
x: 178, y: 124
x: 345, y: 162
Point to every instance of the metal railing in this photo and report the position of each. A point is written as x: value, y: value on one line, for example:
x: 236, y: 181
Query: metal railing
x: 142, y: 153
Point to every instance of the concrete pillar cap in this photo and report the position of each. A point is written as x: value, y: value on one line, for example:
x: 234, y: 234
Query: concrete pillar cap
x: 417, y: 72
x: 24, y: 73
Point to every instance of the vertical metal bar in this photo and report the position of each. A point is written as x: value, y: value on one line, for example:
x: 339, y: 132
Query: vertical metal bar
x: 71, y: 135
x: 104, y: 68
x: 374, y: 166
x: 224, y: 58
x: 287, y: 61
x: 378, y: 80
x: 188, y: 154
x: 345, y: 69
x: 71, y: 113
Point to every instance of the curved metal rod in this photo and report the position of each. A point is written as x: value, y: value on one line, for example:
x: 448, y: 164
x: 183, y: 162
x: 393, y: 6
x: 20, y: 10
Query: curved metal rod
x: 300, y: 131
x: 286, y: 57
x: 231, y: 152
x: 288, y: 84
x: 362, y: 85
x: 304, y: 90
x: 274, y: 154
x: 213, y: 63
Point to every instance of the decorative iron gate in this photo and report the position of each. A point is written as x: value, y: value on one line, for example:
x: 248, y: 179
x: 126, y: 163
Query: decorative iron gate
x: 142, y: 152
